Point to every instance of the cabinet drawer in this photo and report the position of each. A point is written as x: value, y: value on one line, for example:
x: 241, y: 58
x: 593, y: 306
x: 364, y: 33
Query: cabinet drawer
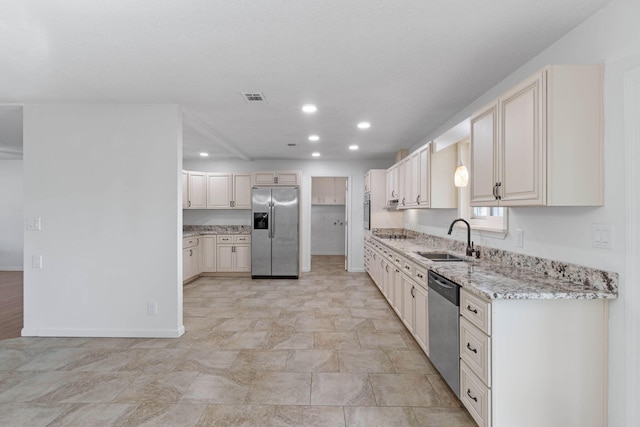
x: 189, y: 242
x: 407, y: 268
x: 421, y: 276
x: 224, y: 239
x: 242, y: 238
x: 475, y: 350
x: 476, y: 310
x: 475, y: 396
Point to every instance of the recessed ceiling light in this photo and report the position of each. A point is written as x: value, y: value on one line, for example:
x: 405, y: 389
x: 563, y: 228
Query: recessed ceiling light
x: 315, y: 154
x: 364, y: 125
x: 353, y: 147
x: 314, y: 138
x: 204, y: 154
x: 309, y: 108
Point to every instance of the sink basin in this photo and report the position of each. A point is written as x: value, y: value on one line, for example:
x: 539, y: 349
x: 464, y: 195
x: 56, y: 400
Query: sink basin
x: 440, y: 256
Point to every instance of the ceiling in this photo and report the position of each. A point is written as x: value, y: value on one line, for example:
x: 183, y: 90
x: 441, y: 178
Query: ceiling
x: 406, y: 66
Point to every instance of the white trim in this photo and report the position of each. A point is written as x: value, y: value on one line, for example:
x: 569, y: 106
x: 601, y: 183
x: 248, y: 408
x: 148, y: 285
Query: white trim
x: 631, y: 290
x: 103, y: 333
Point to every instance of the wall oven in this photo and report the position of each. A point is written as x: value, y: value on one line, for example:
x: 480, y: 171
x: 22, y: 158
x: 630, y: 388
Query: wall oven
x: 367, y: 211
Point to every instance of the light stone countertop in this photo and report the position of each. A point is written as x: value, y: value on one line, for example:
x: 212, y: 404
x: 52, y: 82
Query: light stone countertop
x: 204, y: 230
x: 493, y: 280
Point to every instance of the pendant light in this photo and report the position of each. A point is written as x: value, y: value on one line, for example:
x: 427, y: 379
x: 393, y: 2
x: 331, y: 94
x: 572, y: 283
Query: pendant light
x: 461, y: 177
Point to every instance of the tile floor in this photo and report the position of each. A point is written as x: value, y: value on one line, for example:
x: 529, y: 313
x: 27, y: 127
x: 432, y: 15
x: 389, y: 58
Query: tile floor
x: 325, y: 350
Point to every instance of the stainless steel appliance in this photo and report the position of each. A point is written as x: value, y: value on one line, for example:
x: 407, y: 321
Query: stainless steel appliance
x: 367, y: 211
x: 444, y: 329
x: 275, y: 235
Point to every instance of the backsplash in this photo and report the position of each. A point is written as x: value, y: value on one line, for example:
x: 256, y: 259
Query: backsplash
x: 600, y: 279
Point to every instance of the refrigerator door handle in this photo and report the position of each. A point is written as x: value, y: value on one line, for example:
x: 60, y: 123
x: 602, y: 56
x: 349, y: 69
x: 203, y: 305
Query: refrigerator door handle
x: 270, y: 225
x: 273, y: 220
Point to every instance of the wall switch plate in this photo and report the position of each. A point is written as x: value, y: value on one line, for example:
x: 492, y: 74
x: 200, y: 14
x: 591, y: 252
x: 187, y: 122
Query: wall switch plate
x: 519, y: 238
x: 36, y: 261
x: 152, y: 308
x: 601, y: 235
x: 34, y: 223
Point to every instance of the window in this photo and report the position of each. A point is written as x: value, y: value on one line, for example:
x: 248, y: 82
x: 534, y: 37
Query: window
x: 491, y: 221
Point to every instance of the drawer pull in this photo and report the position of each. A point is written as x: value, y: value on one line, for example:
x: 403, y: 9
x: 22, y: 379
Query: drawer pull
x: 473, y: 310
x: 420, y: 275
x: 475, y: 399
x: 472, y: 349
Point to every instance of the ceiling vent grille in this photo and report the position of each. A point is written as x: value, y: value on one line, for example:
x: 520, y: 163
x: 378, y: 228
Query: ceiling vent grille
x: 254, y: 97
x: 291, y: 144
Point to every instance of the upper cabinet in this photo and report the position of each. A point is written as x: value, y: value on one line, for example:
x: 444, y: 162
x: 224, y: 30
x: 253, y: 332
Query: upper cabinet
x: 424, y: 179
x: 540, y: 143
x: 328, y: 191
x: 269, y: 178
x: 196, y: 190
x: 228, y: 191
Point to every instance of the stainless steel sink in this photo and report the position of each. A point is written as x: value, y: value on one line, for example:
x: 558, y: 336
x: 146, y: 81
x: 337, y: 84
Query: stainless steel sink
x: 440, y: 256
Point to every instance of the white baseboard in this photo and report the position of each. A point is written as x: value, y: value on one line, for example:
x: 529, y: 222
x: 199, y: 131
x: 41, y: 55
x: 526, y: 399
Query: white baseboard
x: 104, y: 333
x: 357, y: 270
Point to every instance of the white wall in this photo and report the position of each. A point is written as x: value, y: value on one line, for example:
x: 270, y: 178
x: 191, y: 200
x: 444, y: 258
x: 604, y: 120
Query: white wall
x: 612, y: 37
x: 354, y: 170
x: 11, y: 224
x: 105, y: 179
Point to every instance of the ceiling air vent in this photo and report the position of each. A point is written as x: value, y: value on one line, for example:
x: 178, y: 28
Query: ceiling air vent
x: 291, y: 145
x: 254, y: 97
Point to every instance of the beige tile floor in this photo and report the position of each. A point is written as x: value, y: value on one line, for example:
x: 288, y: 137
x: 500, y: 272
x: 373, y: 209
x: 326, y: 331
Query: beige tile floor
x: 324, y: 350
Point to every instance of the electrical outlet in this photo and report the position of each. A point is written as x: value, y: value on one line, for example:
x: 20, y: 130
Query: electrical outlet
x: 152, y: 308
x: 519, y: 238
x: 34, y: 224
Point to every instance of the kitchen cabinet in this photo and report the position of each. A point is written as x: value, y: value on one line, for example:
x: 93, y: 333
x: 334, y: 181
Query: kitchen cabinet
x: 533, y: 362
x: 392, y: 181
x: 191, y: 258
x: 196, y: 190
x: 380, y: 217
x: 271, y: 178
x: 233, y: 253
x: 228, y: 191
x: 367, y: 182
x: 328, y: 191
x: 541, y: 142
x: 185, y: 189
x: 426, y: 178
x: 209, y: 254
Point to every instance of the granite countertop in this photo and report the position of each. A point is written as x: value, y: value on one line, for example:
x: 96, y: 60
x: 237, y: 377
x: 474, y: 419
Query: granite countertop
x: 203, y: 230
x: 496, y: 281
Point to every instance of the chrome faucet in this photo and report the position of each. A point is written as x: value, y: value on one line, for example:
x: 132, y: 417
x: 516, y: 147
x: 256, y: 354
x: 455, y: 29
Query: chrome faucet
x: 470, y: 249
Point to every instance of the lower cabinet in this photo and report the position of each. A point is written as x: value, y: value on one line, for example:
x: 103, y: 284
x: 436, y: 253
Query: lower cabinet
x: 209, y: 254
x: 233, y: 254
x: 191, y: 257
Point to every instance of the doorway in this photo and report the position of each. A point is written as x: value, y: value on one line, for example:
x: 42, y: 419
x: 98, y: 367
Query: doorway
x: 329, y: 226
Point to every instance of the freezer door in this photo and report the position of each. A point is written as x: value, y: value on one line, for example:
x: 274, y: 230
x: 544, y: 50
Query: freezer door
x: 260, y: 235
x: 284, y: 246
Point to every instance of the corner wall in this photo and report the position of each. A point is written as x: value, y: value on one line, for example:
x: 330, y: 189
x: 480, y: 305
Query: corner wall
x: 105, y: 181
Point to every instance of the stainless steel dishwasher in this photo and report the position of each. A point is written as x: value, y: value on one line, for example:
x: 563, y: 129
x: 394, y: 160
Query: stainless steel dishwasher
x: 444, y: 329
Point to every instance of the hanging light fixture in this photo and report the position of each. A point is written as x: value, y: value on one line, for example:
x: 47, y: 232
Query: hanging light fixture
x: 461, y: 177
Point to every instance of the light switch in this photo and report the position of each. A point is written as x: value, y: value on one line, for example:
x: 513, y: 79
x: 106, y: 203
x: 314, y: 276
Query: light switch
x: 601, y: 236
x: 519, y: 238
x: 34, y: 223
x: 36, y: 261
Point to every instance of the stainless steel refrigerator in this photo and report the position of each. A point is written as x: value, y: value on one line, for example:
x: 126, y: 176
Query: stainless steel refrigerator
x: 275, y: 235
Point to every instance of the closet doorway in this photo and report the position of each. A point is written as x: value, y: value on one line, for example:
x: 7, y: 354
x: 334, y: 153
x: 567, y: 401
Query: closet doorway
x: 329, y: 227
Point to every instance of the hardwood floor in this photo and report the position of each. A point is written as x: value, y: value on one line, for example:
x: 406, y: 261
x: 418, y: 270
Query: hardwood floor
x: 11, y: 303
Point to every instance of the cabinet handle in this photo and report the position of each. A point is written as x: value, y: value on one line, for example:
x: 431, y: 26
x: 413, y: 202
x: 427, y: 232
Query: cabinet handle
x: 413, y: 288
x: 387, y: 268
x: 472, y: 349
x: 190, y: 252
x: 397, y: 271
x: 403, y: 201
x: 393, y: 193
x: 475, y: 399
x: 420, y: 275
x: 495, y: 187
x: 418, y: 199
x: 473, y: 310
x: 189, y: 203
x: 275, y: 179
x: 407, y: 267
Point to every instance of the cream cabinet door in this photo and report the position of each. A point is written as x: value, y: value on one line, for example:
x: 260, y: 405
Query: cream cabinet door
x: 484, y: 157
x: 403, y: 185
x: 185, y: 189
x: 197, y: 190
x: 209, y: 254
x: 242, y: 191
x: 219, y: 190
x: 186, y: 264
x: 424, y: 177
x: 242, y: 254
x: 412, y: 180
x: 340, y: 190
x: 287, y: 178
x: 264, y: 178
x: 407, y: 302
x: 224, y: 258
x: 421, y: 323
x: 522, y: 159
